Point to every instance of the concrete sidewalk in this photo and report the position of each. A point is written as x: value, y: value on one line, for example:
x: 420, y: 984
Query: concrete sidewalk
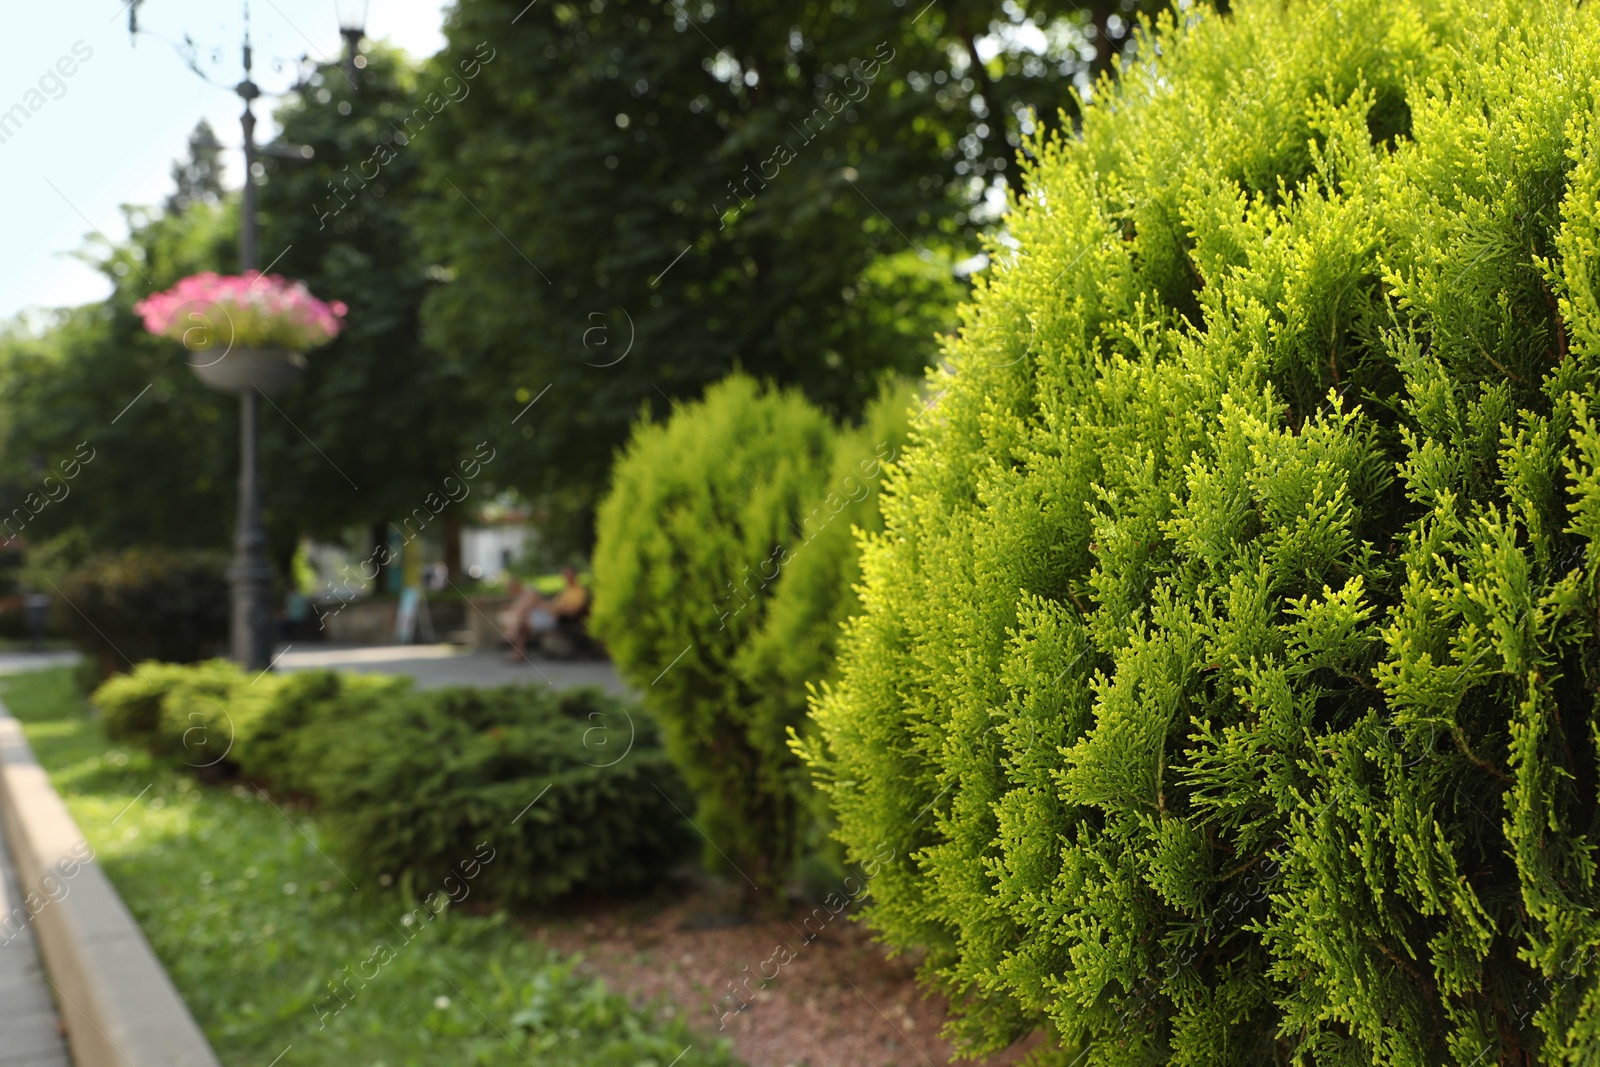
x: 30, y: 1029
x: 434, y: 666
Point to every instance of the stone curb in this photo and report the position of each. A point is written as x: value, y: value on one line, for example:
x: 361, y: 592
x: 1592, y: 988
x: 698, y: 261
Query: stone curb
x: 120, y: 1008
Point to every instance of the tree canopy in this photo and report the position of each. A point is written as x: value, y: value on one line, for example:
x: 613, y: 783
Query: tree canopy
x: 163, y: 447
x: 650, y: 196
x: 380, y: 419
x: 630, y: 198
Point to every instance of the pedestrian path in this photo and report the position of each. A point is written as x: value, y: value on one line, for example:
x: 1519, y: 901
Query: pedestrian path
x: 434, y: 666
x: 30, y: 1034
x: 16, y: 662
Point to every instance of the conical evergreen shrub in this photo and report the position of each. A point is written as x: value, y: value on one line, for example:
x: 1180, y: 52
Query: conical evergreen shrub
x: 1226, y: 681
x: 724, y: 562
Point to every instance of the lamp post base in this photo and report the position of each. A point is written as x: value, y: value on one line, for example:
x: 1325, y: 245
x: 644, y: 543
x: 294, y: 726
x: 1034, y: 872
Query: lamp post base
x: 251, y: 631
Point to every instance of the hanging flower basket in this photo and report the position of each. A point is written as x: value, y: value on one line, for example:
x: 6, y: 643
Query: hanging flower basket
x: 245, y: 331
x: 268, y: 370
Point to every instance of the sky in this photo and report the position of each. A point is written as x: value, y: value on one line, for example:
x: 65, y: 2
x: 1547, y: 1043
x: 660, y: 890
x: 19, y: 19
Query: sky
x: 108, y: 132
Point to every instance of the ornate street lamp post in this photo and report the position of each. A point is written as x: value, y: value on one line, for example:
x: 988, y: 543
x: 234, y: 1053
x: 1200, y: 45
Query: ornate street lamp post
x: 352, y: 26
x: 250, y: 635
x: 250, y: 632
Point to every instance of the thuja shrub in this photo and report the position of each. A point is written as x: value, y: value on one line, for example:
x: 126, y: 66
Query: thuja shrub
x: 1227, y: 665
x: 796, y: 644
x: 723, y: 544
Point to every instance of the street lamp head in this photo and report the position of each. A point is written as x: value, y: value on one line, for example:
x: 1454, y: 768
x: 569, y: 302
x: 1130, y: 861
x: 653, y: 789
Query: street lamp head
x: 353, y: 26
x: 352, y: 16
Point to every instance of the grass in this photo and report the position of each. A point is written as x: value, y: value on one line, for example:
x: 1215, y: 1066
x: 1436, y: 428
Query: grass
x: 254, y: 921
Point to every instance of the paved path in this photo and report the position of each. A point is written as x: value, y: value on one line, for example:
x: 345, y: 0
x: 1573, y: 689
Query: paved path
x: 29, y: 1028
x: 15, y: 662
x: 434, y: 666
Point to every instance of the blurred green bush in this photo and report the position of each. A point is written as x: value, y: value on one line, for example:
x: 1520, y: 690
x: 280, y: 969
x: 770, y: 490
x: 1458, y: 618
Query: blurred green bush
x: 723, y: 565
x: 795, y: 647
x: 147, y: 603
x: 572, y: 788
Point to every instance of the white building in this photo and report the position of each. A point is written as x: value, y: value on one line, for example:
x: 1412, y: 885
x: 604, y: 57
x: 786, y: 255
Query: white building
x: 486, y: 551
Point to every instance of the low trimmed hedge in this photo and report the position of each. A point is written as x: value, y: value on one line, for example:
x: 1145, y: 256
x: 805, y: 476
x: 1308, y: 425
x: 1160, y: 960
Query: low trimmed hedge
x: 570, y: 789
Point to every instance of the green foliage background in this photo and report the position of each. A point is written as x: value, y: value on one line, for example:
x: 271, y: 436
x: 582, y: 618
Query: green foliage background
x: 378, y: 421
x: 611, y: 182
x: 384, y: 418
x: 1228, y: 662
x: 165, y: 447
x: 523, y: 195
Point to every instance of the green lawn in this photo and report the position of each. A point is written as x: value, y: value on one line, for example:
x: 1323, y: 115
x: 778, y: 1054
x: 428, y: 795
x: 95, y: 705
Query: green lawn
x: 253, y: 922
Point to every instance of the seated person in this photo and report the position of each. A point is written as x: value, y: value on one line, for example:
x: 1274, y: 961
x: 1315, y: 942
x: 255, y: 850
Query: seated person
x: 573, y: 600
x: 538, y: 616
x: 514, y: 619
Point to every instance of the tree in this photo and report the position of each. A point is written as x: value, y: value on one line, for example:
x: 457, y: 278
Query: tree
x: 724, y: 563
x: 381, y: 420
x: 369, y: 435
x: 1226, y: 680
x: 632, y: 197
x: 199, y: 179
x: 149, y: 447
x: 155, y: 450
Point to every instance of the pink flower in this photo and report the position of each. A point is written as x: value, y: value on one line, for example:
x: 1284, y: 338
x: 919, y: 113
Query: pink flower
x: 255, y: 309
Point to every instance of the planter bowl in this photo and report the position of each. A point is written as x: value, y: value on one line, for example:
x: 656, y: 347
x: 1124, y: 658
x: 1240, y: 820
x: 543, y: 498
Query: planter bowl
x: 269, y: 370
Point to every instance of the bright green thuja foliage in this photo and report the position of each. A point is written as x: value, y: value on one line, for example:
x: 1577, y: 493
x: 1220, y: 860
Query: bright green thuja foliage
x: 723, y: 567
x: 797, y: 642
x: 1225, y: 673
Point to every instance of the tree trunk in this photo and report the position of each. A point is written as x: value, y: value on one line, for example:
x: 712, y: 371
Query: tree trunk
x: 380, y: 557
x: 452, y: 547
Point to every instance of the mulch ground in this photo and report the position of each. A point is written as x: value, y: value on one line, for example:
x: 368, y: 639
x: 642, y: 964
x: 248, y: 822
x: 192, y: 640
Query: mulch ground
x: 833, y: 1000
